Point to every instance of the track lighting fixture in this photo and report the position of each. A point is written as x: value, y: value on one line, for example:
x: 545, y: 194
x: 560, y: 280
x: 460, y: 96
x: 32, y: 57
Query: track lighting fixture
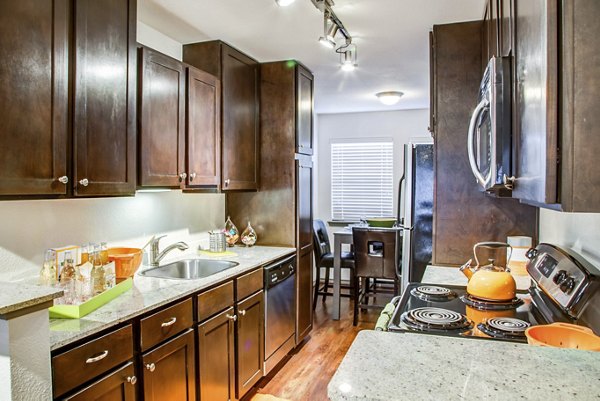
x: 284, y: 3
x: 348, y: 56
x: 330, y: 29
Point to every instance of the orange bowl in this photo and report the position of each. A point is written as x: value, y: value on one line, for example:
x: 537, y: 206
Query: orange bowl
x: 127, y: 261
x: 563, y: 335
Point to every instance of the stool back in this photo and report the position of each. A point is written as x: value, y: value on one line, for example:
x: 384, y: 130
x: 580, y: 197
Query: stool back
x: 320, y: 240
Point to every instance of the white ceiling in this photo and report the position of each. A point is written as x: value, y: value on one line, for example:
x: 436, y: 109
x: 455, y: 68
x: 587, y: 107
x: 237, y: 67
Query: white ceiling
x: 391, y: 35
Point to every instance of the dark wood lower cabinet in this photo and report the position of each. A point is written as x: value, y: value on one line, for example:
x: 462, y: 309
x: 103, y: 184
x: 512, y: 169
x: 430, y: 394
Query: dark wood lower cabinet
x: 250, y: 342
x: 304, y: 285
x: 216, y: 357
x: 169, y: 371
x: 117, y: 386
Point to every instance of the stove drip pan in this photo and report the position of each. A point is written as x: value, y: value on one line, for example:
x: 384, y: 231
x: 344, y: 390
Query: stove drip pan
x: 504, y: 328
x: 435, y: 319
x: 482, y: 304
x: 433, y: 293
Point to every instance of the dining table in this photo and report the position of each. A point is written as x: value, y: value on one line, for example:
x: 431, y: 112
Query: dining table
x: 340, y: 238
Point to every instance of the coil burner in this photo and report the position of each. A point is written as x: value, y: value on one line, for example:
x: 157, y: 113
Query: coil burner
x: 504, y: 328
x: 483, y: 304
x: 433, y: 293
x: 435, y: 319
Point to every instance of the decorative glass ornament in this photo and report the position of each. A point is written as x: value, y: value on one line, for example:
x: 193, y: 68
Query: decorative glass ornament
x: 231, y: 232
x: 249, y: 236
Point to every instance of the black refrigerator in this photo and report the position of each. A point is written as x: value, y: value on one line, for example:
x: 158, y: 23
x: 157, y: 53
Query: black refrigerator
x: 415, y: 210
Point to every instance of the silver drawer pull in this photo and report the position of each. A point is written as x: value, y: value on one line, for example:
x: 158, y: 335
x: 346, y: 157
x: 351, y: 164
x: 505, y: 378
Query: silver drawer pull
x: 97, y: 358
x: 231, y: 317
x: 151, y: 367
x: 169, y: 322
x: 63, y: 180
x: 85, y: 182
x: 243, y: 312
x: 132, y: 380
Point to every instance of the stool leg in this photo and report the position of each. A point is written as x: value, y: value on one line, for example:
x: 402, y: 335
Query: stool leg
x: 326, y: 286
x: 317, y: 284
x: 356, y: 298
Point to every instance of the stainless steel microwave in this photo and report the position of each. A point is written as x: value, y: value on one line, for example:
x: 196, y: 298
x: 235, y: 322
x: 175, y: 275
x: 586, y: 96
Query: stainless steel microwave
x: 489, y: 138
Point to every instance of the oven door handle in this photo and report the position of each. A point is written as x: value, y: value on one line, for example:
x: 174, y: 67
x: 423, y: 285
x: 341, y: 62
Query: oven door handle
x: 481, y: 107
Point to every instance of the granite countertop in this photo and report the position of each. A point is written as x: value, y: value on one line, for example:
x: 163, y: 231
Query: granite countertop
x: 15, y: 298
x: 443, y: 275
x: 148, y: 293
x: 382, y: 366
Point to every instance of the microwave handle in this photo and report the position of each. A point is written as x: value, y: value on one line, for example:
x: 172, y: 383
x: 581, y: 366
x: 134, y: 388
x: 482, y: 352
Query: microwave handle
x: 470, y: 138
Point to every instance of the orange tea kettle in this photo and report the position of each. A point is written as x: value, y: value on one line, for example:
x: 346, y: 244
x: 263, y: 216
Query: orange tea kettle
x: 492, y: 281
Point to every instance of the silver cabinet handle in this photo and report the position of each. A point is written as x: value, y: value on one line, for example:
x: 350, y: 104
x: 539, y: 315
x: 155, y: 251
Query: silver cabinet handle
x: 97, y: 358
x: 84, y: 182
x: 169, y: 322
x: 231, y: 317
x: 151, y: 367
x: 63, y: 180
x: 227, y: 181
x: 132, y: 380
x: 192, y: 176
x: 182, y: 177
x: 242, y: 312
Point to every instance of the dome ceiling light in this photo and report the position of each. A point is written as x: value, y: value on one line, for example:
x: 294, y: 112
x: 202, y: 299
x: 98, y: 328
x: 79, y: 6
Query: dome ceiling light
x: 389, y: 98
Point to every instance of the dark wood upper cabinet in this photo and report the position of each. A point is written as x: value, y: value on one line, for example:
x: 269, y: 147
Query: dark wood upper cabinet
x: 239, y: 75
x: 161, y: 105
x: 250, y: 342
x: 304, y: 110
x: 104, y: 94
x: 203, y: 124
x: 557, y: 66
x: 216, y: 357
x: 34, y: 97
x: 462, y: 214
x: 169, y: 371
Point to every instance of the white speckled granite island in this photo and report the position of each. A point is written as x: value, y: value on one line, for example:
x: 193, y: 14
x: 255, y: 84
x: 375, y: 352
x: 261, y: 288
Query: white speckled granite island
x: 149, y: 293
x: 382, y: 366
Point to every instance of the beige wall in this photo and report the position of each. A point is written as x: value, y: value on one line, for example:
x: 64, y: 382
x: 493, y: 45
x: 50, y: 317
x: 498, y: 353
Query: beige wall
x: 579, y: 231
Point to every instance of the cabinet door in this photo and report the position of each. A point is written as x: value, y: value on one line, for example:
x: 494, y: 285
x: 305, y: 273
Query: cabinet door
x: 304, y: 246
x: 216, y: 357
x: 304, y: 111
x: 250, y: 342
x: 117, y: 386
x: 203, y: 129
x: 104, y: 97
x: 34, y: 96
x: 169, y: 371
x: 162, y: 120
x: 536, y: 66
x: 240, y: 121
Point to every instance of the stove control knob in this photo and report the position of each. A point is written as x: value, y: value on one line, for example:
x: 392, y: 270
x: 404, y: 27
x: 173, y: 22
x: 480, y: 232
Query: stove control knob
x: 560, y: 276
x: 531, y: 253
x: 568, y: 285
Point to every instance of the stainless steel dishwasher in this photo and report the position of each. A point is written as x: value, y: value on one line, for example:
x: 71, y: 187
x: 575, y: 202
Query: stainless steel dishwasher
x: 280, y: 310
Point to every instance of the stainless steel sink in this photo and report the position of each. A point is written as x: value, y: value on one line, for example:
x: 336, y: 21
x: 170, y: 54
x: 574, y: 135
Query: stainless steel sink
x: 189, y: 269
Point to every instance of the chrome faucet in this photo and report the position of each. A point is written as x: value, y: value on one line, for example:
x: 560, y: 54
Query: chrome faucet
x: 156, y: 256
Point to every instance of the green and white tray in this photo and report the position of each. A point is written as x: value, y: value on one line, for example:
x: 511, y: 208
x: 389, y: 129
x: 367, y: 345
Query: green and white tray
x: 79, y: 311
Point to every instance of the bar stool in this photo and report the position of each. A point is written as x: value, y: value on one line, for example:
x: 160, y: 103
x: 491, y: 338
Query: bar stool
x: 376, y: 256
x: 324, y: 259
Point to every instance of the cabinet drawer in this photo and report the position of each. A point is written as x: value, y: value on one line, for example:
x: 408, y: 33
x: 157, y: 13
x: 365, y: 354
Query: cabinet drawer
x: 91, y: 359
x: 249, y: 283
x: 166, y: 323
x: 214, y: 301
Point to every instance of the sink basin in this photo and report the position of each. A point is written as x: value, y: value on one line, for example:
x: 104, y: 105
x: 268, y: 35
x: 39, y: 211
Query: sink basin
x: 189, y: 269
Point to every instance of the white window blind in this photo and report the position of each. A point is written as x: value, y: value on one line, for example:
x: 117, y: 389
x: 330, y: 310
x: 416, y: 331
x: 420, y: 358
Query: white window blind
x: 362, y: 175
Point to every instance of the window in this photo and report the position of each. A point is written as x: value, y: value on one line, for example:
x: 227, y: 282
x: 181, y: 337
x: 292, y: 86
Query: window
x: 362, y: 179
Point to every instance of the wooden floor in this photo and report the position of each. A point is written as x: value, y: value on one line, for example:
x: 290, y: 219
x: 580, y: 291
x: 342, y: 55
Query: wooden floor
x: 306, y: 374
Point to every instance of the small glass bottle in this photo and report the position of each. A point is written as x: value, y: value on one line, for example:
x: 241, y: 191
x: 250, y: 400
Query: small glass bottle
x: 249, y: 236
x: 85, y: 254
x: 97, y: 275
x: 48, y: 272
x: 104, y: 253
x: 67, y: 278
